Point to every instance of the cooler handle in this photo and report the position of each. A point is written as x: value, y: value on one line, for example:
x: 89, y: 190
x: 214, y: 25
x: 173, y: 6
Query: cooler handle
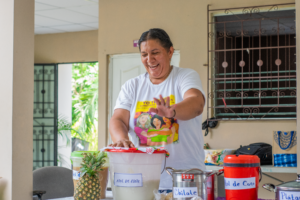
x: 260, y: 174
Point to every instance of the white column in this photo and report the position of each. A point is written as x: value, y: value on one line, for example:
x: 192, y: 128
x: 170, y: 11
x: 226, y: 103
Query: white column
x: 16, y: 98
x: 65, y: 111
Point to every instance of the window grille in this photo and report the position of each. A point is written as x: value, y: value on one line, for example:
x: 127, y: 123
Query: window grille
x: 45, y: 116
x: 251, y: 63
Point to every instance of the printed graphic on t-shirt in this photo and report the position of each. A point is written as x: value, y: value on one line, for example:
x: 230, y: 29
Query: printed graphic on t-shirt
x: 152, y: 129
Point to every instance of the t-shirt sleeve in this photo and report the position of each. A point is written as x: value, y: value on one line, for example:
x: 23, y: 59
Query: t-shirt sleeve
x: 190, y: 79
x: 125, y: 98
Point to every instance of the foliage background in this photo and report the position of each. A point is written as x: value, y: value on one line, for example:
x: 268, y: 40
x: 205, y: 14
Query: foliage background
x: 85, y: 103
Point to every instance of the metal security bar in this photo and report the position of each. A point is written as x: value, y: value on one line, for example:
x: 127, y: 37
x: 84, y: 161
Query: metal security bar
x: 45, y: 116
x: 251, y: 63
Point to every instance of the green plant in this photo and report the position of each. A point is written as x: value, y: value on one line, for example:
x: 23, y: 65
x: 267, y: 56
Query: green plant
x: 64, y: 128
x: 85, y: 102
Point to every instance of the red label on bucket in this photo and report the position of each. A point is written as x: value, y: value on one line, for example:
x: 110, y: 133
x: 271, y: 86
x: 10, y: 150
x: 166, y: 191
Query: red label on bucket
x: 187, y: 177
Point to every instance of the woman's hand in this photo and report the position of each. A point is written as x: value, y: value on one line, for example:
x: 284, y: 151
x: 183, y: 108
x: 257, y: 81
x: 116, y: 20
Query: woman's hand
x: 123, y: 143
x: 163, y: 107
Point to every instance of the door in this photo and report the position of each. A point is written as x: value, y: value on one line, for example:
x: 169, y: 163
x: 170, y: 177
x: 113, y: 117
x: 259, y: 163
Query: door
x: 45, y: 116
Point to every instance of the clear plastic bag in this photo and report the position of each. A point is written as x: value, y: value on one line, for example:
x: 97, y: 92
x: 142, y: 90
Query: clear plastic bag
x: 162, y: 196
x: 159, y: 196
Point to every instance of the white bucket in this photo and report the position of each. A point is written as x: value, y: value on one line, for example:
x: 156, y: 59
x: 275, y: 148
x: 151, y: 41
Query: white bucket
x: 134, y: 176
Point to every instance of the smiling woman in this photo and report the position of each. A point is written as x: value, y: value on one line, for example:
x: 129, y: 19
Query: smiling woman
x: 156, y: 54
x: 162, y: 107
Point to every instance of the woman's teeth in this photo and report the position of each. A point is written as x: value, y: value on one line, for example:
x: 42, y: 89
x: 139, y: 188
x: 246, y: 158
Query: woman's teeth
x: 152, y: 67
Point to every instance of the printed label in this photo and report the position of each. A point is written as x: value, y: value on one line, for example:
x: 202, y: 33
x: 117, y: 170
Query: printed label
x: 187, y: 177
x: 76, y: 175
x: 284, y: 195
x: 182, y: 192
x: 128, y: 180
x: 239, y: 183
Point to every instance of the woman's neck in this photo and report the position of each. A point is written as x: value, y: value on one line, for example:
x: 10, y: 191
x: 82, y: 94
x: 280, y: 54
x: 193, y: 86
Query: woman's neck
x: 160, y: 80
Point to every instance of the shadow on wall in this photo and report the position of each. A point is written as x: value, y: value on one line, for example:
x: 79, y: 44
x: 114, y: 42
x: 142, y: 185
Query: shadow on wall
x: 3, y: 184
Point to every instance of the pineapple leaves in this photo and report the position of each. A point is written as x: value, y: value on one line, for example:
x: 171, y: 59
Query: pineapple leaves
x: 92, y: 163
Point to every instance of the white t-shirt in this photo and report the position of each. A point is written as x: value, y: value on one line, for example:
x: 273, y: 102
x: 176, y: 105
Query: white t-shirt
x: 183, y: 139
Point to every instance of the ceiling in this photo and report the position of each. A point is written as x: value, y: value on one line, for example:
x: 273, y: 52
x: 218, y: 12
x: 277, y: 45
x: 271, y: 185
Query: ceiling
x: 59, y: 16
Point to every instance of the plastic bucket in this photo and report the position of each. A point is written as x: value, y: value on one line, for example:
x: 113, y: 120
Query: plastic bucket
x: 135, y: 174
x: 241, y: 177
x: 76, y: 159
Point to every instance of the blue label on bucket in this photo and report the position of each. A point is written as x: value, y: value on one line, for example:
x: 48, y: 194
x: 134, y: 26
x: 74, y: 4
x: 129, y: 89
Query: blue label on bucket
x: 239, y: 183
x: 284, y: 195
x: 128, y: 180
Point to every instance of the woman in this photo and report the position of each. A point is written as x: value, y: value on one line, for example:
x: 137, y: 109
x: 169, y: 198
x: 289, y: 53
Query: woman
x: 167, y: 91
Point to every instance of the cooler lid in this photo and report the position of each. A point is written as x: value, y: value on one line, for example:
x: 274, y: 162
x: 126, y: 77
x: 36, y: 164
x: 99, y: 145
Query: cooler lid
x: 148, y: 150
x: 241, y: 159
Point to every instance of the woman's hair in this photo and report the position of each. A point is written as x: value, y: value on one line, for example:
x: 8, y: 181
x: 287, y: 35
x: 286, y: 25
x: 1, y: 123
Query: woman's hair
x: 147, y: 124
x: 157, y: 34
x: 159, y: 118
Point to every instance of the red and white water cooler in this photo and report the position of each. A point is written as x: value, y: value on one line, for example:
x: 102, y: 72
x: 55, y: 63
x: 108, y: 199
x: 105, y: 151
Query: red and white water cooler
x: 241, y: 177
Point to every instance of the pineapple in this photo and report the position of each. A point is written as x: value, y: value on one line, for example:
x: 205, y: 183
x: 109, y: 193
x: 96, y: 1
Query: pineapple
x: 88, y: 186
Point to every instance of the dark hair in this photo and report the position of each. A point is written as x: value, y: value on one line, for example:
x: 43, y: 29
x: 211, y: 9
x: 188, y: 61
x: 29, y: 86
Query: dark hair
x: 159, y: 118
x: 157, y: 34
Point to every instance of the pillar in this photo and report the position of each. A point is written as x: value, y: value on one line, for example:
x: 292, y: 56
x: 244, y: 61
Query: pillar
x: 16, y: 98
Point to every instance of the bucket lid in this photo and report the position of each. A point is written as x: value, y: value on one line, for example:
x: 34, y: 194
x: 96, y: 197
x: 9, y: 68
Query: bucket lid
x: 241, y: 159
x: 148, y: 150
x: 292, y: 185
x: 78, y: 154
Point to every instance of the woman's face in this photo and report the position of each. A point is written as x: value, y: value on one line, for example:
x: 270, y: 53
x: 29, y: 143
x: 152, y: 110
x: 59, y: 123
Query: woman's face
x: 143, y: 119
x: 157, y: 123
x: 156, y: 60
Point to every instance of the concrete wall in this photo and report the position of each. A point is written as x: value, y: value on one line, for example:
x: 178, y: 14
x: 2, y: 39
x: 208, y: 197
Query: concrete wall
x: 66, y: 47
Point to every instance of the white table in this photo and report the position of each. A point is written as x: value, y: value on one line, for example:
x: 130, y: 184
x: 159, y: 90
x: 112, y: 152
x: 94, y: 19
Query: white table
x: 108, y: 197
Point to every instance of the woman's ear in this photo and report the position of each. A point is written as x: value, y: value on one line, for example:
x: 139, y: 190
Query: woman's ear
x: 171, y: 51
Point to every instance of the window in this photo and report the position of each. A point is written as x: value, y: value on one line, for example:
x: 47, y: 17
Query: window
x: 252, y: 66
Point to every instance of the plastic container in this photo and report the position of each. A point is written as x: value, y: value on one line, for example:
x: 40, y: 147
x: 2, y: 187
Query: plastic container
x: 134, y: 174
x: 76, y: 159
x: 241, y: 177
